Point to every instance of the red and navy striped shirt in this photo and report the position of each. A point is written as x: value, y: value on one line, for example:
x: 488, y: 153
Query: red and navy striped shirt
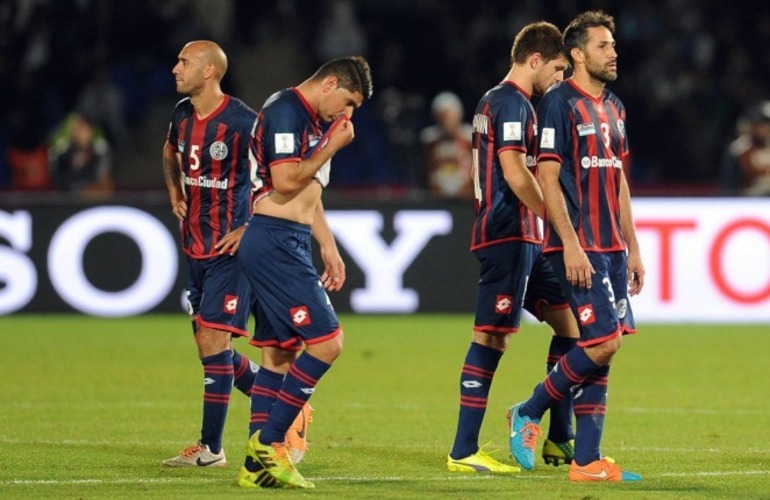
x: 288, y: 130
x: 587, y: 136
x: 217, y: 157
x: 504, y: 120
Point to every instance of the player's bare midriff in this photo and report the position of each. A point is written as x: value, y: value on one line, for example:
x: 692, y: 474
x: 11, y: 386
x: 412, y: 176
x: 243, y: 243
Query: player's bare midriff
x: 299, y: 206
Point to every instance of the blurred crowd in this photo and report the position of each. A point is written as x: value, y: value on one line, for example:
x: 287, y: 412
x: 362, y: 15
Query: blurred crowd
x: 691, y: 73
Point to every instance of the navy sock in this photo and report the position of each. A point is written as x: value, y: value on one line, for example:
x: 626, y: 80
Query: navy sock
x: 590, y: 408
x: 475, y: 381
x: 217, y: 385
x: 560, y: 428
x: 263, y: 394
x: 571, y: 370
x: 245, y: 372
x: 298, y: 385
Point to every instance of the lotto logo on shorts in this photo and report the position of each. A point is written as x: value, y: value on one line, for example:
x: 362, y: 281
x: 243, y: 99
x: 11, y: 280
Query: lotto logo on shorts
x: 231, y: 304
x: 586, y: 314
x: 504, y: 304
x: 300, y: 316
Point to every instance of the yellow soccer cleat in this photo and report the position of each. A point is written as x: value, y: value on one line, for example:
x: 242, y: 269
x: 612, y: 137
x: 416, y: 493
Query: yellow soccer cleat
x: 275, y: 459
x: 557, y: 454
x: 479, y: 462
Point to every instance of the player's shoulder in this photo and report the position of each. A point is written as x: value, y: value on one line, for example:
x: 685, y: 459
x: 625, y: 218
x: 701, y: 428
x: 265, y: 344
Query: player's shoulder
x: 559, y: 90
x: 612, y: 97
x: 280, y: 101
x: 183, y: 106
x: 506, y: 95
x: 242, y: 108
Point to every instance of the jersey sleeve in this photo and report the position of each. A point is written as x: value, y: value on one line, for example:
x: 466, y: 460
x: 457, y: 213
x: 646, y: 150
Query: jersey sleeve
x: 510, y: 124
x: 554, y: 121
x: 283, y: 141
x: 172, y: 137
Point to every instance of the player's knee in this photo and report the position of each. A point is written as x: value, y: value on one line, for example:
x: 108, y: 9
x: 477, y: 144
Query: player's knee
x: 328, y: 350
x: 211, y: 341
x: 602, y: 354
x: 497, y: 341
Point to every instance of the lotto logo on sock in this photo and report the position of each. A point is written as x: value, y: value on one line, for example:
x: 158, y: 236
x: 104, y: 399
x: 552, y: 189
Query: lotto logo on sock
x: 504, y: 304
x: 300, y: 316
x: 231, y: 304
x: 586, y: 314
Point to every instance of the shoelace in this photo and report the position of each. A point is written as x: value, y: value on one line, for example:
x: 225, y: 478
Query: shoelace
x: 529, y: 435
x: 191, y: 450
x: 483, y: 450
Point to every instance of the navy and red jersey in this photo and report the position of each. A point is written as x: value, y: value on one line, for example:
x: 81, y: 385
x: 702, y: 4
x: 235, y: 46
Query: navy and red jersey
x: 587, y: 136
x: 288, y: 131
x: 216, y: 157
x: 504, y: 120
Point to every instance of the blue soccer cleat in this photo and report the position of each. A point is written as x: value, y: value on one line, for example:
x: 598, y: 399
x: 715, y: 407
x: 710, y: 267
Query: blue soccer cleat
x: 524, y: 432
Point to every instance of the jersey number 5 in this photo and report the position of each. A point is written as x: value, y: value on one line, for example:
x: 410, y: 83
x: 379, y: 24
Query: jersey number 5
x: 195, y: 161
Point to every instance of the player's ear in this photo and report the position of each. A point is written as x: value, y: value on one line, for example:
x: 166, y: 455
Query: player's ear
x: 330, y: 83
x: 534, y: 60
x: 577, y: 55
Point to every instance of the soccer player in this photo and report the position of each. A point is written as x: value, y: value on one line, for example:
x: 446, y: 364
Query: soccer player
x: 589, y: 240
x: 207, y: 167
x: 294, y: 160
x: 507, y: 241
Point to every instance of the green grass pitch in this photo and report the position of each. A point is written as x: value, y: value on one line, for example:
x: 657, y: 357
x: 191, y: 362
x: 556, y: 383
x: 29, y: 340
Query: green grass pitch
x: 89, y: 407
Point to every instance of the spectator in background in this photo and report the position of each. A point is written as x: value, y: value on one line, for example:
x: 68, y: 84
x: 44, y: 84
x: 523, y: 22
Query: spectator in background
x: 447, y: 149
x: 102, y: 100
x: 81, y: 158
x: 746, y: 163
x: 340, y: 34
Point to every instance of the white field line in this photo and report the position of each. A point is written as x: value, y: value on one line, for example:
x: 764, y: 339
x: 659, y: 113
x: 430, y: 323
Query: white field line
x: 695, y: 411
x: 422, y: 446
x: 352, y: 479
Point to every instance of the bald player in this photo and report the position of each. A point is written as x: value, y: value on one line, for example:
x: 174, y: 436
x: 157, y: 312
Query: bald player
x: 207, y: 163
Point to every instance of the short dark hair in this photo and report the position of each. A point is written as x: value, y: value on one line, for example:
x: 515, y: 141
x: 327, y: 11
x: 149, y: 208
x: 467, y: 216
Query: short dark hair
x: 538, y: 37
x: 353, y: 74
x: 576, y: 34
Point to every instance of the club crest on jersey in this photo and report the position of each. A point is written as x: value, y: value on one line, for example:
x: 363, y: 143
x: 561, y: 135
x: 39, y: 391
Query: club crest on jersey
x: 218, y: 150
x: 621, y: 128
x: 622, y: 307
x: 504, y: 304
x: 231, y: 304
x: 586, y: 314
x: 584, y: 129
x: 300, y: 316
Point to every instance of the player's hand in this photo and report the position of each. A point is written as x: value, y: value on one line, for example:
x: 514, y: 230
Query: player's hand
x: 179, y: 209
x: 635, y: 273
x: 579, y: 268
x: 333, y: 276
x: 342, y: 133
x: 231, y: 241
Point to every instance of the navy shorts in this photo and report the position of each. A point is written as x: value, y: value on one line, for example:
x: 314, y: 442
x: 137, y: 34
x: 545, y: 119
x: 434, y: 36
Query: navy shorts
x: 603, y: 311
x: 513, y: 275
x: 218, y: 294
x: 293, y: 307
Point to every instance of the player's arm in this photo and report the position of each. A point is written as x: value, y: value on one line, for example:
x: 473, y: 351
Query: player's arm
x: 579, y: 268
x: 635, y: 265
x: 521, y: 181
x: 172, y: 173
x: 289, y: 178
x: 333, y: 276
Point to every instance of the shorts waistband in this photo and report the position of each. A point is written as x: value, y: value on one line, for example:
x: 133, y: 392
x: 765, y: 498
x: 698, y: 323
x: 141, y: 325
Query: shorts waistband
x: 268, y: 220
